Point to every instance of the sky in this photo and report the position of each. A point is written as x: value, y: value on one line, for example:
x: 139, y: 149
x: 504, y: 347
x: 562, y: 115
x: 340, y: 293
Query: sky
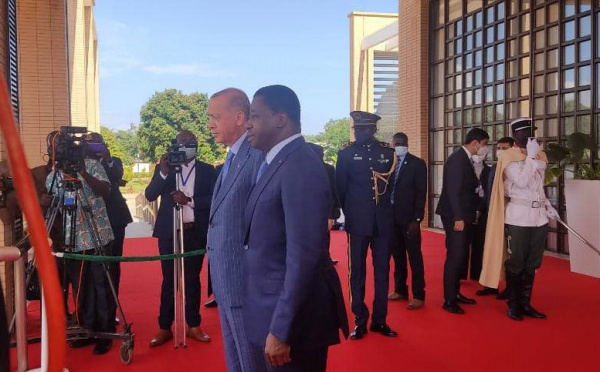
x: 207, y: 45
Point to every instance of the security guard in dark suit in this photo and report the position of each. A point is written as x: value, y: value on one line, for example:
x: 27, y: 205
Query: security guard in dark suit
x: 363, y: 177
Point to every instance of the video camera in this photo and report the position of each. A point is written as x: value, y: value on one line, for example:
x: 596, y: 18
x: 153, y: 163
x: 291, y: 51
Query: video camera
x: 67, y: 148
x: 178, y: 154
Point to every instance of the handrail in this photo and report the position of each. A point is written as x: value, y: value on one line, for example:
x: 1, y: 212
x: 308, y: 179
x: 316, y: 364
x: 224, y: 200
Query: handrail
x: 146, y: 210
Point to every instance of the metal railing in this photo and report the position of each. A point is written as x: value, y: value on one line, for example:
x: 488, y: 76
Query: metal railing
x: 146, y: 210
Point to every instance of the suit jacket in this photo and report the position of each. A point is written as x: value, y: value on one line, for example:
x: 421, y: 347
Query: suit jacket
x: 459, y: 200
x: 334, y: 212
x: 226, y: 231
x: 484, y: 179
x: 291, y: 287
x: 354, y: 177
x: 203, y: 189
x: 410, y: 191
x: 116, y: 206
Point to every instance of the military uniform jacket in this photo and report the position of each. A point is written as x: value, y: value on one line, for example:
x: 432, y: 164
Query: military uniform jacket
x: 357, y: 191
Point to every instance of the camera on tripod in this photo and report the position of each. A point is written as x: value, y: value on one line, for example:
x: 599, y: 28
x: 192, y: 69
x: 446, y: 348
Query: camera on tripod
x: 180, y: 154
x: 67, y: 148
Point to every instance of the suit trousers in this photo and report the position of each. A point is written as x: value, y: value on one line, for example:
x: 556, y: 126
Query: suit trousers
x: 380, y: 253
x: 313, y: 360
x: 240, y: 356
x: 402, y: 246
x: 474, y: 256
x: 456, y: 251
x: 193, y: 265
x: 94, y: 302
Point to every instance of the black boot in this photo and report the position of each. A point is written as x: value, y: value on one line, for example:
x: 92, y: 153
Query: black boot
x: 525, y: 300
x: 513, y: 289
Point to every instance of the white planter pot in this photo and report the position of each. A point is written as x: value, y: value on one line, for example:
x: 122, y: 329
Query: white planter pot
x: 583, y: 215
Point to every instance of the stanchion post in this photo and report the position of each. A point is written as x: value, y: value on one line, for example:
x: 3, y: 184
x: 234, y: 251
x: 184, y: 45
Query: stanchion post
x: 21, y: 314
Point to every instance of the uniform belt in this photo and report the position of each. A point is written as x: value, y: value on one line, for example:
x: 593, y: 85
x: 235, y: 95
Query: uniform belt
x: 529, y: 203
x: 188, y: 225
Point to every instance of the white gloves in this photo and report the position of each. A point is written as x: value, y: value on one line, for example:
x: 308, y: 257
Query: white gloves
x: 533, y: 148
x: 552, y: 213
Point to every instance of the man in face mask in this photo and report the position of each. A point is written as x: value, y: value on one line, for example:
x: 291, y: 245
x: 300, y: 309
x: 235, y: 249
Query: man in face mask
x: 409, y: 192
x: 459, y: 209
x: 520, y: 177
x: 363, y: 178
x: 194, y: 194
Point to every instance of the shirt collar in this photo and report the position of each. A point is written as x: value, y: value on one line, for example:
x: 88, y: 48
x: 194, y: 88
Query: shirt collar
x: 278, y: 147
x: 468, y: 153
x: 236, y: 146
x: 188, y: 166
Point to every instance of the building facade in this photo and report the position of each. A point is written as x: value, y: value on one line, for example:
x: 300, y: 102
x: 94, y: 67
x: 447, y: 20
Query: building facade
x: 483, y: 63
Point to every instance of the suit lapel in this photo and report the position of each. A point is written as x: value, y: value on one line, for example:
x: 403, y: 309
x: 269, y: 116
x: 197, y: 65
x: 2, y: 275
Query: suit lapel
x: 238, y: 163
x: 264, y: 180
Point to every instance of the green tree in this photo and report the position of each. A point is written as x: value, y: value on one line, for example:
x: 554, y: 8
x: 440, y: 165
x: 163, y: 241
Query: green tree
x: 128, y: 141
x: 115, y: 146
x: 335, y: 135
x: 167, y: 113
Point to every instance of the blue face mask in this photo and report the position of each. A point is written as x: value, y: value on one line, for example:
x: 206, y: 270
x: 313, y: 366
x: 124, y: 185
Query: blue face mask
x: 401, y: 150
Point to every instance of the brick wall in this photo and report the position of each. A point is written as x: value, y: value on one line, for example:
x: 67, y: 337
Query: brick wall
x: 413, y: 95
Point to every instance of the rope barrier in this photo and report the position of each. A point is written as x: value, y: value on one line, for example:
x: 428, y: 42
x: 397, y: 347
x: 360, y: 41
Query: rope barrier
x: 88, y: 257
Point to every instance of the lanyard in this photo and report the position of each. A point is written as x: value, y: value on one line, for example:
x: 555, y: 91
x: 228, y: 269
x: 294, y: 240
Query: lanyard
x: 185, y: 181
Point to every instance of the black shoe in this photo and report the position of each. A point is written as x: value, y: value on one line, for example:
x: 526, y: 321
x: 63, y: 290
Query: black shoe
x: 531, y: 312
x: 358, y: 332
x: 102, y: 347
x: 384, y: 329
x: 502, y: 295
x: 514, y: 313
x: 211, y: 303
x: 525, y: 299
x: 486, y: 291
x: 465, y: 300
x: 452, y: 307
x: 77, y: 344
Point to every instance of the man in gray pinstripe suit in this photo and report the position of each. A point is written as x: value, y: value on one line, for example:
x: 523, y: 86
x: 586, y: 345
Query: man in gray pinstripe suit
x: 228, y: 112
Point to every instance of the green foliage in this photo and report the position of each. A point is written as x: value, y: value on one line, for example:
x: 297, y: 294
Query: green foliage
x: 169, y: 112
x: 577, y: 152
x: 335, y: 135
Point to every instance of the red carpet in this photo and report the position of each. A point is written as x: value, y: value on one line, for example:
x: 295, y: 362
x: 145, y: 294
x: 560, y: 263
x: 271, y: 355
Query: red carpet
x: 430, y: 339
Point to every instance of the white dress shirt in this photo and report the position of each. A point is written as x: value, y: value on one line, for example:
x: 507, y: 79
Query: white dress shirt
x: 524, y: 180
x: 188, y: 176
x: 235, y: 148
x: 278, y: 147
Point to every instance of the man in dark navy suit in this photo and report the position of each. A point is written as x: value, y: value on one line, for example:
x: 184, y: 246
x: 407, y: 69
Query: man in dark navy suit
x: 458, y: 207
x: 293, y: 303
x: 409, y: 192
x: 363, y: 180
x: 195, y: 195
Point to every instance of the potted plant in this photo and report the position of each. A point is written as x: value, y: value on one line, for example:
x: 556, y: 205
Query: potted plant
x: 582, y: 197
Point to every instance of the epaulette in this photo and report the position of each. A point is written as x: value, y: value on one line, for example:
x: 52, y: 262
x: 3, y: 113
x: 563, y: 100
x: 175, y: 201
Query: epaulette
x: 347, y: 145
x: 385, y: 144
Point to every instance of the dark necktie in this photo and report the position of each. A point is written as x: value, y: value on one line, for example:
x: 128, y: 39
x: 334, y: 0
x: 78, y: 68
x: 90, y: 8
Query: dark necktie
x: 228, y: 160
x: 263, y: 168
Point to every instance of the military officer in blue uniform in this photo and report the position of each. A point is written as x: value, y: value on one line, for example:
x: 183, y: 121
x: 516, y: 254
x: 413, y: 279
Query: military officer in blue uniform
x: 364, y: 185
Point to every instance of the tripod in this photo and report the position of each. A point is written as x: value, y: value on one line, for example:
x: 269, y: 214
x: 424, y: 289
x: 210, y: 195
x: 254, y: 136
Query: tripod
x: 178, y: 268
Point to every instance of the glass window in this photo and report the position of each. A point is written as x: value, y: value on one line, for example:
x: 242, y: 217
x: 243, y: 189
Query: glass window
x: 598, y: 87
x: 479, y: 39
x: 553, y: 35
x: 478, y: 19
x: 438, y: 111
x: 490, y: 34
x: 585, y: 100
x: 524, y: 90
x: 500, y: 31
x: 459, y: 28
x: 468, y: 61
x: 479, y: 58
x: 458, y: 82
x: 540, y: 39
x: 439, y: 42
x: 458, y: 46
x: 538, y: 85
x: 569, y: 6
x: 569, y: 78
x: 500, y: 92
x: 585, y: 75
x: 512, y: 69
x: 477, y: 115
x: 458, y: 100
x: 499, y: 113
x: 489, y: 74
x: 553, y: 13
x: 512, y: 110
x: 450, y: 83
x: 569, y: 31
x: 473, y: 5
x: 499, y: 129
x: 500, y: 51
x: 568, y: 126
x: 552, y: 79
x: 525, y: 66
x: 438, y: 81
x: 468, y: 117
x: 568, y: 102
x: 585, y: 5
x: 569, y: 54
x: 585, y: 51
x: 477, y: 77
x: 552, y: 58
x: 458, y: 64
x: 513, y: 6
x: 457, y: 119
x: 469, y: 98
x: 584, y: 124
x: 524, y: 108
x: 538, y: 107
x: 449, y: 102
x: 450, y: 119
x: 585, y: 26
x: 512, y: 90
x: 539, y: 62
x: 469, y: 79
x: 490, y: 15
x: 540, y: 17
x: 500, y: 11
x: 477, y: 94
x: 513, y: 26
x: 525, y: 22
x: 450, y: 49
x: 552, y: 127
x: 597, y: 35
x: 552, y: 105
x: 489, y: 94
x: 441, y: 13
x: 469, y: 23
x: 489, y: 115
x: 489, y: 54
x: 525, y: 4
x: 525, y: 44
x: 469, y: 43
x: 500, y: 71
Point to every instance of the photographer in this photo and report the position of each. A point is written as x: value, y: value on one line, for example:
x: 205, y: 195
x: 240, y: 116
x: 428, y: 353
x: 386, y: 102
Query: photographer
x: 93, y: 299
x: 195, y: 193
